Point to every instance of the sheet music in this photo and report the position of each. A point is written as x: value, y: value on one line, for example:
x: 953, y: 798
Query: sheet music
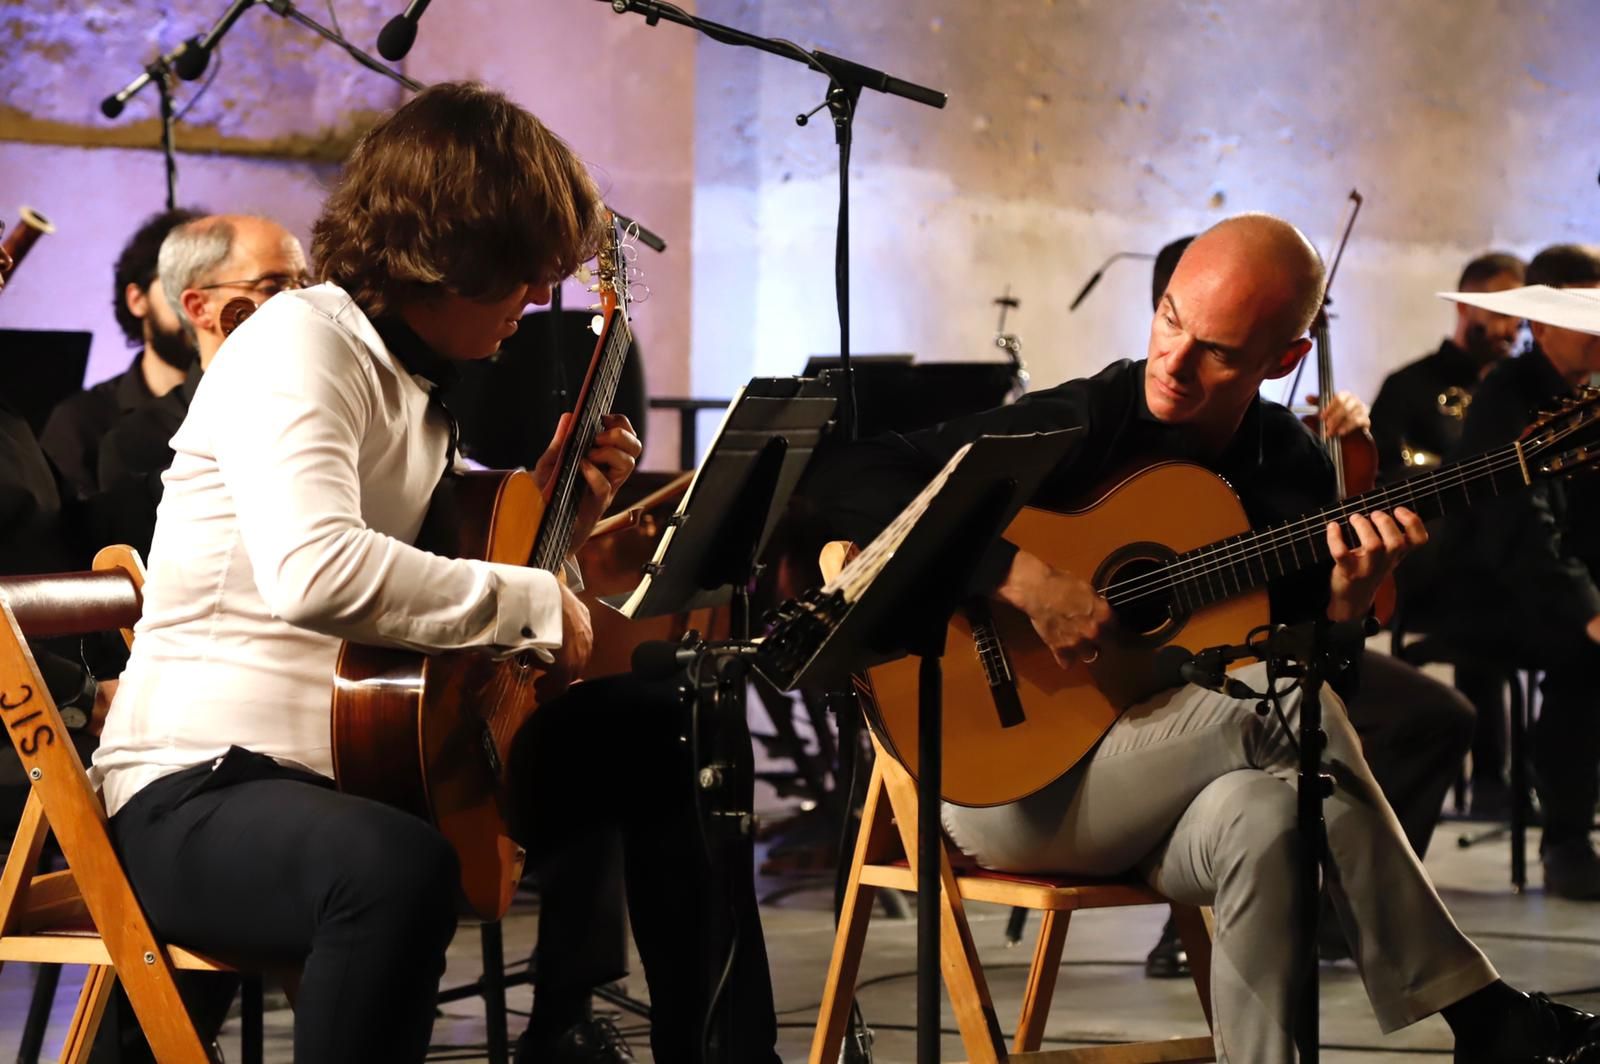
x: 1565, y: 308
x: 860, y: 570
x: 632, y: 604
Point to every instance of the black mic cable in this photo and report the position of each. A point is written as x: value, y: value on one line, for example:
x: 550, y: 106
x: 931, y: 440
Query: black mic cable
x: 400, y: 32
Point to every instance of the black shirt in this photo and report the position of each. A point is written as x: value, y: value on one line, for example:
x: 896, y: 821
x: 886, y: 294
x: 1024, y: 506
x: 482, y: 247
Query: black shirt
x: 1276, y: 466
x: 72, y: 435
x: 1530, y: 557
x: 134, y: 453
x: 1421, y: 406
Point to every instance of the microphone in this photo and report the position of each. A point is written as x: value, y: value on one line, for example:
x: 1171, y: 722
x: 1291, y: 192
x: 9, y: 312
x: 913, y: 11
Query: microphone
x: 400, y: 32
x: 191, y: 62
x: 1094, y: 278
x: 658, y: 659
x: 112, y: 105
x: 1175, y: 666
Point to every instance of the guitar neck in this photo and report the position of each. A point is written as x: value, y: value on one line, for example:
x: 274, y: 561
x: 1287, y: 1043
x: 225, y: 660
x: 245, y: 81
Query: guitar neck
x: 567, y: 487
x: 1248, y: 561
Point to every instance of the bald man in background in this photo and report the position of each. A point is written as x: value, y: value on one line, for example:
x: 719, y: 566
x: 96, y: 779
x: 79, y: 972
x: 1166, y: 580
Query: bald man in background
x: 203, y: 264
x: 1192, y: 790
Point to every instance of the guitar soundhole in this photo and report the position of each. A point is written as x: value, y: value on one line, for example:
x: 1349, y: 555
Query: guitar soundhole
x: 1134, y: 582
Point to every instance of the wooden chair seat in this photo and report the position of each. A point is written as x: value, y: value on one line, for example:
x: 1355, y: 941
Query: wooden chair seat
x: 1042, y: 893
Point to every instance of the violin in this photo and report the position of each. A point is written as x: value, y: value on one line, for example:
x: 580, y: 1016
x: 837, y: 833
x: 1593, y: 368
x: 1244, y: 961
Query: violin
x: 1354, y: 454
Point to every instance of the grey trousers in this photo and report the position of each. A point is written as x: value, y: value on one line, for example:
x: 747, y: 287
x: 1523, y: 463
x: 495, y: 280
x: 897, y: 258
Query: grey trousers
x: 1195, y: 793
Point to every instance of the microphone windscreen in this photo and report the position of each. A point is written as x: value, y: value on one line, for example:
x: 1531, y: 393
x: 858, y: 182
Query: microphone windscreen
x: 656, y: 659
x: 111, y: 107
x: 191, y: 62
x: 396, y: 38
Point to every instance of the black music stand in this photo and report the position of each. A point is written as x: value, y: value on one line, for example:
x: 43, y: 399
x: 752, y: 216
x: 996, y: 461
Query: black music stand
x: 707, y: 554
x: 906, y: 609
x: 706, y: 557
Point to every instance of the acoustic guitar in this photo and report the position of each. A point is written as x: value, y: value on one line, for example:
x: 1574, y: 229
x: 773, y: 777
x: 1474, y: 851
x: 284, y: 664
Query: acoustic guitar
x: 1170, y: 547
x: 431, y: 733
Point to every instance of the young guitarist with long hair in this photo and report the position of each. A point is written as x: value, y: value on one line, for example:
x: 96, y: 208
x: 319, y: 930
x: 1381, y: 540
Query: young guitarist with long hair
x: 1192, y: 790
x: 301, y: 478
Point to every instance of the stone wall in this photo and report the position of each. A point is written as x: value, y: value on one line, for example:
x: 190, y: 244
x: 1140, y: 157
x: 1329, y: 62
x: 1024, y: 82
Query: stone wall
x: 1075, y: 128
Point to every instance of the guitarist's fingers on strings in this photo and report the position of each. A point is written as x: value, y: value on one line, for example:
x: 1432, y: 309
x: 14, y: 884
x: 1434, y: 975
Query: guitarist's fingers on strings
x: 1382, y: 539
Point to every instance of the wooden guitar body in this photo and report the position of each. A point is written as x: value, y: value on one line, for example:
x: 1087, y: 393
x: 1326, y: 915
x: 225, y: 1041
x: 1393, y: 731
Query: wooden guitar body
x: 998, y: 750
x: 430, y: 733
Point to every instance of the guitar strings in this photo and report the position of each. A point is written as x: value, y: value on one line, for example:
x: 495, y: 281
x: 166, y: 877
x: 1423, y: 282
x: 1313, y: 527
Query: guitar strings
x: 553, y: 548
x: 1208, y: 561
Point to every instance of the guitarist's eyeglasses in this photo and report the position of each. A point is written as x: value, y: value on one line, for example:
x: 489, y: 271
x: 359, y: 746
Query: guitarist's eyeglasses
x: 267, y: 285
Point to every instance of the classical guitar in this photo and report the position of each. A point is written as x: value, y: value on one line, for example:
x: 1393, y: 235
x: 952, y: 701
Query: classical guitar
x: 430, y: 733
x: 1171, y: 549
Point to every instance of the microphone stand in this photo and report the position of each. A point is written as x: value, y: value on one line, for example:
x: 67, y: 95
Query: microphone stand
x: 169, y: 148
x: 286, y: 10
x: 846, y: 80
x: 1312, y: 652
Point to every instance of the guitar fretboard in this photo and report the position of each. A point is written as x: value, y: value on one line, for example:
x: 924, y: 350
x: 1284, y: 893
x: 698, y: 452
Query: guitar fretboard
x: 1247, y: 561
x: 561, y: 508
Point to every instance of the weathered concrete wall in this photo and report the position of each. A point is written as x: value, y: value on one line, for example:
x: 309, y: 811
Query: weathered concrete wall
x: 285, y: 107
x: 1076, y: 129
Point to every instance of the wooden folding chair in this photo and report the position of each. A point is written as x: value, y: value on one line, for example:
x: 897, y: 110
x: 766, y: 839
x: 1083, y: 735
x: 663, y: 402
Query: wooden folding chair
x: 892, y: 803
x: 879, y: 863
x: 86, y: 914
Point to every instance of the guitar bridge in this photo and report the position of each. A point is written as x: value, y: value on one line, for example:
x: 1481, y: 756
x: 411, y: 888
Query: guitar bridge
x: 996, y: 666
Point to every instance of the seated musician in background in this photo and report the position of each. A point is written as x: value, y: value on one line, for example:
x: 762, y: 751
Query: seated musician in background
x: 1192, y: 790
x: 1414, y: 730
x: 1416, y: 421
x: 204, y: 263
x: 72, y: 435
x: 1417, y: 416
x: 301, y: 475
x: 1521, y: 571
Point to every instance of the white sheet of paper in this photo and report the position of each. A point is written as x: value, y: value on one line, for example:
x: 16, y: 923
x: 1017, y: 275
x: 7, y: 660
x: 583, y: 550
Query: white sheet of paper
x: 1565, y: 308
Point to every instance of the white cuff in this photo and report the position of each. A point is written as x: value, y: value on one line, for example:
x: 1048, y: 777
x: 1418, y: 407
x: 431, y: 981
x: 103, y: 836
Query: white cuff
x: 529, y: 617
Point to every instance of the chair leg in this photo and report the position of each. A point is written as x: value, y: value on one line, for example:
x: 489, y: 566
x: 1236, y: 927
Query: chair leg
x: 1041, y: 980
x: 1521, y: 713
x: 252, y: 1020
x: 494, y: 992
x: 92, y: 1001
x: 45, y: 981
x: 1195, y: 929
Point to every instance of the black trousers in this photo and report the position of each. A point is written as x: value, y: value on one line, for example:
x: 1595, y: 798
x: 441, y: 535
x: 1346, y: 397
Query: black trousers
x: 611, y: 761
x: 1415, y: 732
x: 1566, y: 744
x: 253, y: 859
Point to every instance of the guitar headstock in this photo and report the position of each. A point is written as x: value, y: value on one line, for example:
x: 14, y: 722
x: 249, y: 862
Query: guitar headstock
x: 1565, y: 441
x: 616, y: 277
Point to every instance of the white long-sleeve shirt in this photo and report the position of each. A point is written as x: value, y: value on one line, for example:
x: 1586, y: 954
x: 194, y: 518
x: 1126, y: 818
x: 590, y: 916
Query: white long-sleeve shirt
x: 301, y: 476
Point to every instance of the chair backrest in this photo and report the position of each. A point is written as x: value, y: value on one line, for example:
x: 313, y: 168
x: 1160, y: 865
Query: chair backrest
x: 64, y: 801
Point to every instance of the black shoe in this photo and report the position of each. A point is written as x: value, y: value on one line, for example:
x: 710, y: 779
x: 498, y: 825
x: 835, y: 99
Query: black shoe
x: 1169, y: 960
x: 1571, y: 870
x: 1543, y: 1032
x: 594, y: 1041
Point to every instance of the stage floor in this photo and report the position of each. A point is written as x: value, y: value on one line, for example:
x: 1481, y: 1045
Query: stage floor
x: 1537, y: 942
